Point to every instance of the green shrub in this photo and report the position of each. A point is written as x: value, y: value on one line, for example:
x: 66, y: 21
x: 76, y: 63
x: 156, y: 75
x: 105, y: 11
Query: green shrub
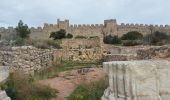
x: 131, y: 42
x: 134, y: 35
x: 58, y: 34
x: 80, y: 37
x: 157, y: 38
x: 20, y: 41
x: 19, y: 87
x: 22, y: 30
x: 69, y: 36
x: 112, y: 40
x: 90, y: 91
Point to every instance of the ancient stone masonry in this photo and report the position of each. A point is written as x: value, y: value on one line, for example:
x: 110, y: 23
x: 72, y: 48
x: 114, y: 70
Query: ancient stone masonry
x: 138, y: 80
x: 27, y: 59
x: 108, y: 27
x: 118, y: 53
x: 160, y: 52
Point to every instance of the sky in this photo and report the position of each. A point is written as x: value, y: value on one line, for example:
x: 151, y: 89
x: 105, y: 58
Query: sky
x: 37, y: 12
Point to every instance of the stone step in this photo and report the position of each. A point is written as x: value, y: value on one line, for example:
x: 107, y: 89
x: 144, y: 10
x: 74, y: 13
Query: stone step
x: 3, y: 96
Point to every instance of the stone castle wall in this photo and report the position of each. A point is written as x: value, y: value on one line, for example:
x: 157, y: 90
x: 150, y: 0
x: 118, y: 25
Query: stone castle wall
x: 80, y: 43
x: 108, y: 27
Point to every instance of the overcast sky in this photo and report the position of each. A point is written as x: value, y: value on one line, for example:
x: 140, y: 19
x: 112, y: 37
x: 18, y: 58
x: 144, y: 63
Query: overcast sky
x: 37, y: 12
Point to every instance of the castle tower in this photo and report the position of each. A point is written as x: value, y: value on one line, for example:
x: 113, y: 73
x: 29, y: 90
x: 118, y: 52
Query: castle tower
x: 110, y: 27
x: 63, y: 24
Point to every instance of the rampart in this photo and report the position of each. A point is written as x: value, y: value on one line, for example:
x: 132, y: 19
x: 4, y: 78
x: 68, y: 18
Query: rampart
x: 108, y: 27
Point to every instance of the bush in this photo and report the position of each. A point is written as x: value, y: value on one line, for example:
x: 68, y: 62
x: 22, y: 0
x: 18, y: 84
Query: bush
x: 112, y: 39
x: 69, y: 36
x: 58, y: 34
x: 131, y: 42
x: 22, y: 30
x: 90, y: 91
x: 44, y: 44
x: 132, y: 36
x: 157, y: 38
x: 19, y: 41
x: 21, y: 87
x: 80, y: 37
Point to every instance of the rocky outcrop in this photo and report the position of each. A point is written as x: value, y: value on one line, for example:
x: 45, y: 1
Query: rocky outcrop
x: 27, y: 59
x: 138, y: 80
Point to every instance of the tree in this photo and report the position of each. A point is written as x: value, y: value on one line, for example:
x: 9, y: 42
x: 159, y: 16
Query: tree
x: 112, y: 39
x: 22, y: 30
x: 58, y: 34
x: 69, y: 36
x: 134, y: 35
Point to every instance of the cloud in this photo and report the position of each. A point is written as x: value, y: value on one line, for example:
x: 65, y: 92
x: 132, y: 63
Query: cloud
x: 37, y: 12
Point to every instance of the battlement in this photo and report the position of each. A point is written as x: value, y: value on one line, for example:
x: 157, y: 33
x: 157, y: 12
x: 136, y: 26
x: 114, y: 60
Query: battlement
x: 38, y: 29
x: 86, y: 26
x: 123, y: 25
x: 107, y: 27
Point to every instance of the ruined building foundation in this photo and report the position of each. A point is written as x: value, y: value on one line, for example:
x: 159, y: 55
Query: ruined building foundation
x: 138, y: 80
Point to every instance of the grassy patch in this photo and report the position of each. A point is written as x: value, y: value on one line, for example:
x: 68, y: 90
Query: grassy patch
x: 21, y: 87
x: 90, y: 91
x: 64, y: 66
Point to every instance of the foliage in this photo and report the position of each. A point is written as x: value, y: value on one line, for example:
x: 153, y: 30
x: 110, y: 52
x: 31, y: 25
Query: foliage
x: 134, y: 35
x: 21, y: 87
x: 22, y: 30
x: 44, y: 44
x: 59, y: 66
x: 90, y: 91
x: 80, y: 37
x: 19, y: 41
x: 58, y: 34
x: 112, y: 39
x: 131, y: 42
x: 69, y: 36
x: 157, y: 38
x: 94, y: 37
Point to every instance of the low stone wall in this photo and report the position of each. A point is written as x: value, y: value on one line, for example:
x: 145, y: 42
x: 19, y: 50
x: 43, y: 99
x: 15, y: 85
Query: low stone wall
x: 118, y: 53
x: 162, y: 52
x: 27, y: 59
x: 85, y: 55
x: 138, y: 80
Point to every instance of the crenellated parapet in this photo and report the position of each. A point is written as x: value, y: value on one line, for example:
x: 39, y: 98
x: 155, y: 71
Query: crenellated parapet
x: 88, y: 30
x: 123, y: 25
x: 86, y: 26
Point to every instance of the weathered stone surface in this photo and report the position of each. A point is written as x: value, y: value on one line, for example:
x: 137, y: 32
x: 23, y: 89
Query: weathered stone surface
x: 160, y: 52
x: 4, y: 73
x: 3, y: 96
x: 26, y: 58
x: 138, y: 80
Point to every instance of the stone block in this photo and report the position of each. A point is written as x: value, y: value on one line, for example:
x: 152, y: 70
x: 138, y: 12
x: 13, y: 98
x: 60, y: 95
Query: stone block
x: 138, y: 80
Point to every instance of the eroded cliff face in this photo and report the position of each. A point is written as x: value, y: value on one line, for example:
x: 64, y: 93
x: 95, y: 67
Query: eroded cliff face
x: 138, y: 80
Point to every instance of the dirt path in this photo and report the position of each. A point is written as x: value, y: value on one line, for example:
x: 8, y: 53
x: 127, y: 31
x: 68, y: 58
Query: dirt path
x: 69, y: 80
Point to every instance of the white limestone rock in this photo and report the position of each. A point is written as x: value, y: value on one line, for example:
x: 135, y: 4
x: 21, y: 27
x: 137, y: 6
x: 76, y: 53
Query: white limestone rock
x: 138, y: 80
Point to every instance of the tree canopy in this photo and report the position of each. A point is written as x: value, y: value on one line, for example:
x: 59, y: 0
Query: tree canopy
x: 22, y: 30
x: 58, y: 34
x: 134, y: 35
